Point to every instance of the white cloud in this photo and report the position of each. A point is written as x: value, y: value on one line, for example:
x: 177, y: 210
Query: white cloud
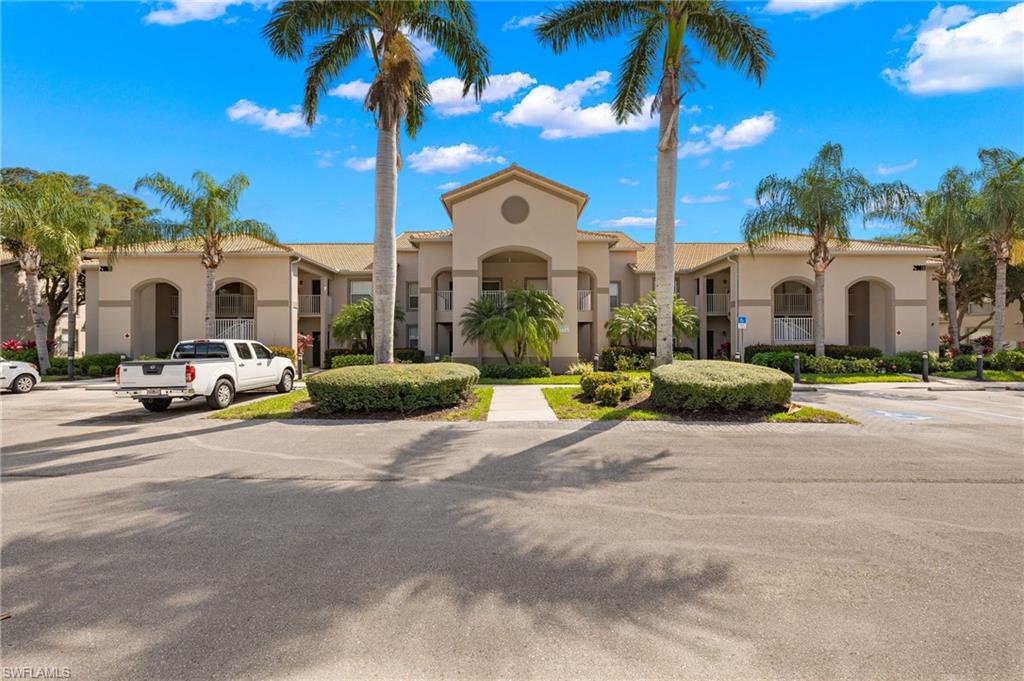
x: 448, y: 186
x: 752, y: 202
x: 183, y: 11
x: 521, y: 22
x: 324, y: 159
x: 747, y: 133
x: 955, y: 51
x: 722, y: 186
x: 446, y: 93
x: 629, y: 221
x: 713, y: 198
x: 885, y: 170
x: 355, y: 90
x: 812, y: 8
x: 361, y: 164
x: 628, y: 182
x: 286, y: 123
x: 560, y: 113
x: 452, y: 159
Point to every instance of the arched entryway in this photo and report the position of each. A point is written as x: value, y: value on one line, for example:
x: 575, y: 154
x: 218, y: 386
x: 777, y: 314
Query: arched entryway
x: 792, y: 312
x: 156, y: 322
x: 507, y: 269
x: 871, y: 314
x: 235, y: 305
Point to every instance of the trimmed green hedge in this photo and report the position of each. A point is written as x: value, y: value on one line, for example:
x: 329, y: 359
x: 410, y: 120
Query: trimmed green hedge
x: 103, y: 364
x: 589, y: 383
x: 834, y: 351
x: 1008, y: 360
x: 514, y: 371
x: 340, y: 361
x: 809, y: 364
x: 24, y: 355
x: 283, y: 351
x: 409, y: 355
x: 703, y: 385
x: 391, y: 387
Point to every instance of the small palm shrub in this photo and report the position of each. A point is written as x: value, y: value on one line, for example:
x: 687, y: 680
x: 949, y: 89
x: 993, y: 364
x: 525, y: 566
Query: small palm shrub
x: 579, y: 368
x: 703, y: 385
x: 391, y: 387
x: 609, y: 394
x: 339, y: 361
x: 514, y: 371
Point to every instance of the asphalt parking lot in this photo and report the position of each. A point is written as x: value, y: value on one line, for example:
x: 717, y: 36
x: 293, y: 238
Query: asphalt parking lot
x: 168, y: 546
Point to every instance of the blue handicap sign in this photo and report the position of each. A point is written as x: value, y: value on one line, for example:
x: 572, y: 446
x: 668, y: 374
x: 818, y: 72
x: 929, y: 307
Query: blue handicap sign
x: 742, y: 319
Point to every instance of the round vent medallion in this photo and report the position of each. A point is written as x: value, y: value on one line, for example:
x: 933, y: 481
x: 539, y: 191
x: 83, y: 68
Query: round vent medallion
x: 515, y: 209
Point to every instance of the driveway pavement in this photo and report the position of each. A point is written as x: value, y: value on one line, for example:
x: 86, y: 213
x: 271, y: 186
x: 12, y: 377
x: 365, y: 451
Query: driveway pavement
x: 171, y: 546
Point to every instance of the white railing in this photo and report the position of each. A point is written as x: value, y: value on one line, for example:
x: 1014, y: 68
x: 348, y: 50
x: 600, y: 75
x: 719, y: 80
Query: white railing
x: 174, y: 306
x: 235, y: 305
x: 980, y: 308
x: 444, y: 301
x: 583, y: 300
x: 718, y: 303
x: 792, y: 303
x: 496, y: 296
x: 793, y: 329
x: 309, y: 304
x: 244, y: 329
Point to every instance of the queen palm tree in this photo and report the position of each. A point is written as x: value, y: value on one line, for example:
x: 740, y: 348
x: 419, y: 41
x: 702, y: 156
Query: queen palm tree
x: 397, y: 94
x: 638, y: 322
x: 526, y: 321
x: 659, y: 29
x: 44, y: 219
x: 947, y: 219
x: 209, y: 220
x: 355, y: 323
x: 1001, y: 202
x: 819, y: 203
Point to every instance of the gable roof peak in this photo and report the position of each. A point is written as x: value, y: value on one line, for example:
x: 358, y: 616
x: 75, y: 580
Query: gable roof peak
x: 513, y: 170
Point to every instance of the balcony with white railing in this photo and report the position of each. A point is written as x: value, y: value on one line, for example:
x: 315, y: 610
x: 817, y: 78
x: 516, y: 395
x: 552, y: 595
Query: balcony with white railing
x: 309, y: 304
x: 497, y: 296
x: 244, y: 329
x: 584, y: 301
x: 235, y: 305
x: 787, y: 304
x: 718, y: 303
x: 444, y: 301
x: 793, y: 329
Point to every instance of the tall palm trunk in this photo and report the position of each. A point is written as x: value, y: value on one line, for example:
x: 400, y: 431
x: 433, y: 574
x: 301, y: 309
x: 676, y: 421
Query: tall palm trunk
x: 665, y: 224
x: 819, y: 311
x: 210, y: 321
x: 29, y: 263
x: 72, y: 320
x: 951, y: 309
x: 999, y: 319
x: 384, y: 257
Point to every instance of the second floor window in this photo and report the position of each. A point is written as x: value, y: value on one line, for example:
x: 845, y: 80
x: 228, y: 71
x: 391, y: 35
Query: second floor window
x: 358, y: 290
x: 413, y: 295
x: 613, y: 294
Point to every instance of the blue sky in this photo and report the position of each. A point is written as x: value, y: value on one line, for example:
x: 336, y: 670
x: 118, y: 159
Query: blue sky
x: 119, y: 89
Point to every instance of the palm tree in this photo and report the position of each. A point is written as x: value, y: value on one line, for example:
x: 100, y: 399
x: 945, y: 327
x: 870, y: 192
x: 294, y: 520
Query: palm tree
x: 398, y: 93
x: 44, y: 219
x: 947, y: 219
x: 527, y: 321
x: 819, y: 203
x: 659, y: 29
x: 1001, y: 203
x: 638, y: 322
x: 209, y: 219
x: 355, y: 323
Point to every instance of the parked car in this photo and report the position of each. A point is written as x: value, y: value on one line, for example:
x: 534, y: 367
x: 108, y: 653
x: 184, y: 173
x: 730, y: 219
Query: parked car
x: 216, y: 369
x: 18, y: 377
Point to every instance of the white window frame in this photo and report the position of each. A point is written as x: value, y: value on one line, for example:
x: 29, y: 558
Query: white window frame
x: 412, y: 292
x: 409, y: 330
x: 356, y: 297
x: 614, y: 299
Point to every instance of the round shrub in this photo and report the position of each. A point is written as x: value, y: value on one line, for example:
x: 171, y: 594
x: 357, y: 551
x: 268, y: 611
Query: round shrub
x: 514, y: 371
x: 391, y: 387
x: 965, y: 363
x: 589, y: 383
x: 703, y: 385
x: 339, y: 361
x: 1008, y: 360
x: 283, y: 351
x: 609, y: 394
x: 779, y: 359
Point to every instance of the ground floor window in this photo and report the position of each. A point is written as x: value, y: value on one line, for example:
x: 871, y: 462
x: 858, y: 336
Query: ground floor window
x: 613, y: 294
x: 412, y: 334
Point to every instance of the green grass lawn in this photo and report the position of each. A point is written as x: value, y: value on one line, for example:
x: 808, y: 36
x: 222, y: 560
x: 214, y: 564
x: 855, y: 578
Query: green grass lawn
x: 857, y: 378
x: 989, y: 374
x: 280, y: 407
x: 809, y: 415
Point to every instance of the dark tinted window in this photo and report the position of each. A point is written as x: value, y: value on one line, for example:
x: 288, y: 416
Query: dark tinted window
x: 243, y: 351
x: 261, y: 352
x: 201, y: 350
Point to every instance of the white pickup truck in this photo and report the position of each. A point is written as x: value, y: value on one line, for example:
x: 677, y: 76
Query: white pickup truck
x: 215, y: 369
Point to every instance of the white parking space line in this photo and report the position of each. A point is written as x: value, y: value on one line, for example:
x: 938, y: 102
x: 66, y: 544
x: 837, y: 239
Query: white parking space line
x: 979, y: 412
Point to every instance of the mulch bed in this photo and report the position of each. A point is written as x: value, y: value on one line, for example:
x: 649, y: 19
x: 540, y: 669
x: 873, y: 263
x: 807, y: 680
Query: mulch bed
x: 306, y: 410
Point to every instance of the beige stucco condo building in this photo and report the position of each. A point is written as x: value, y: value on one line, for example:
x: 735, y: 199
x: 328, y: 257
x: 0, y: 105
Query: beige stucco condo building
x: 512, y: 229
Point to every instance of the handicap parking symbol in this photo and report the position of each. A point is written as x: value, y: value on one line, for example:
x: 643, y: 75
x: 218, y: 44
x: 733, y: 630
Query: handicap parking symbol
x: 902, y: 415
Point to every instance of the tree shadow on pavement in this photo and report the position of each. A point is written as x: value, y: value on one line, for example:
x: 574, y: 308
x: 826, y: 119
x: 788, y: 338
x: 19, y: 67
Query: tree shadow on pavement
x: 228, y: 578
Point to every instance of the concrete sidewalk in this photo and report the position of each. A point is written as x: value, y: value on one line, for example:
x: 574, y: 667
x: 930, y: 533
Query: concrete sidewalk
x: 520, y: 403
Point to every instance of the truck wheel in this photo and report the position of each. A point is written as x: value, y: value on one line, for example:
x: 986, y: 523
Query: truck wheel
x: 222, y: 396
x: 22, y: 384
x: 157, y: 404
x: 285, y: 384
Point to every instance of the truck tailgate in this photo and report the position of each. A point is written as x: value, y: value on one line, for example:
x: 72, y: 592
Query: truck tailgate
x: 156, y: 374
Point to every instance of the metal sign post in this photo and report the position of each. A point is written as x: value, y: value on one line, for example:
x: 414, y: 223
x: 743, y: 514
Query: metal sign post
x: 741, y: 324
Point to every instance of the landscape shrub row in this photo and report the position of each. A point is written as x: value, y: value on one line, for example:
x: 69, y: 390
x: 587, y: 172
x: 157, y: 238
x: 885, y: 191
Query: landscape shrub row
x: 834, y: 351
x: 624, y: 358
x: 404, y: 355
x: 626, y: 385
x: 783, y: 361
x: 350, y: 361
x: 391, y: 387
x: 514, y: 371
x: 703, y: 385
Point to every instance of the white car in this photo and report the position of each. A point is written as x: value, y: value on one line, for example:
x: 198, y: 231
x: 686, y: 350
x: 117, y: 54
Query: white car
x: 18, y: 377
x: 215, y: 369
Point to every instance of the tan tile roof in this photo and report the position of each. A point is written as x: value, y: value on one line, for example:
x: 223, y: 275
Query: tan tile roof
x: 405, y: 239
x: 238, y: 244
x: 688, y: 255
x: 341, y: 257
x: 586, y: 235
x: 787, y: 244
